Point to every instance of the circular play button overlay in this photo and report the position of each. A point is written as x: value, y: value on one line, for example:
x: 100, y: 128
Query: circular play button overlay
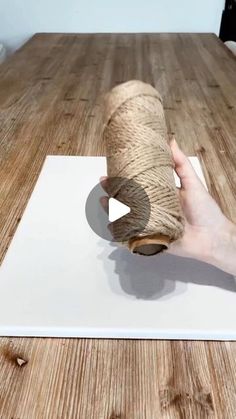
x: 119, y: 212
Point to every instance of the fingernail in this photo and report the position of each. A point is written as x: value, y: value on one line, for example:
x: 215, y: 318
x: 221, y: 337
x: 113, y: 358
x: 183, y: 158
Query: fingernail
x: 173, y: 141
x: 102, y: 178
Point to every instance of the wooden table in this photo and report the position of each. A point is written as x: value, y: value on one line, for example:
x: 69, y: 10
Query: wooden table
x: 50, y: 95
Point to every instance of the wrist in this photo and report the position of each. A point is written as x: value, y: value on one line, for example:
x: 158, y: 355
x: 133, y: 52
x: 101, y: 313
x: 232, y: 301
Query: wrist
x: 222, y: 252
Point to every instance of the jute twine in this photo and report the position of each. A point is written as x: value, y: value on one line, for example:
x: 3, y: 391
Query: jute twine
x: 137, y: 148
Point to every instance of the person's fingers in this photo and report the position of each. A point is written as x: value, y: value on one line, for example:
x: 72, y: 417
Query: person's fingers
x: 104, y: 182
x: 104, y: 203
x: 103, y: 178
x: 183, y: 167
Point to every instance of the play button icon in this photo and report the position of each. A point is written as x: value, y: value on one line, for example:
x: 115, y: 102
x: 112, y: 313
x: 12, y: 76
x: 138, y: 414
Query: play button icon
x: 116, y: 209
x: 127, y: 209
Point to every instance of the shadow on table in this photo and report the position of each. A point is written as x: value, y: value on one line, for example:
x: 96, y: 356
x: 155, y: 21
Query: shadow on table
x: 161, y: 276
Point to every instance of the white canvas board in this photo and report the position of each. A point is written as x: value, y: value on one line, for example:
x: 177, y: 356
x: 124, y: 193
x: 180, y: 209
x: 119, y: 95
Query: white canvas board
x: 59, y: 278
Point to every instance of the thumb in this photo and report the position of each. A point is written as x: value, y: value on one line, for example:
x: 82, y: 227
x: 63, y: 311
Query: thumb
x: 183, y: 167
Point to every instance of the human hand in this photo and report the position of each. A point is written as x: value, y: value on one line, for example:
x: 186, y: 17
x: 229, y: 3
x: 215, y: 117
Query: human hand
x: 208, y: 235
x: 205, y: 224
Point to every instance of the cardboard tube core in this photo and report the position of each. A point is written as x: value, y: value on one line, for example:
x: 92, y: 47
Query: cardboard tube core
x: 149, y: 245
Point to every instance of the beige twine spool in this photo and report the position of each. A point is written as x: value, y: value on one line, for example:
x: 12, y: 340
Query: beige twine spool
x: 137, y: 148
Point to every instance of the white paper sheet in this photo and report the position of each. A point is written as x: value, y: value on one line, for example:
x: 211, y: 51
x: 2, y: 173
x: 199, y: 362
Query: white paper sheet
x: 60, y: 279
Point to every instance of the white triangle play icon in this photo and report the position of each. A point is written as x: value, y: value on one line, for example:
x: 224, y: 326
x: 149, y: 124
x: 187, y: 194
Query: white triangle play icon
x: 116, y: 209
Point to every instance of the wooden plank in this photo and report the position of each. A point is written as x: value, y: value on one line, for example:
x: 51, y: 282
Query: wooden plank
x: 50, y: 98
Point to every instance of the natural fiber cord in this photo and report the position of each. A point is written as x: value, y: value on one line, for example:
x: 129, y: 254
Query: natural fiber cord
x: 137, y: 148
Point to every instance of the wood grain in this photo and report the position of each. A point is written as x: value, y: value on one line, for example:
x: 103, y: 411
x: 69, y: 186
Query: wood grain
x: 50, y: 97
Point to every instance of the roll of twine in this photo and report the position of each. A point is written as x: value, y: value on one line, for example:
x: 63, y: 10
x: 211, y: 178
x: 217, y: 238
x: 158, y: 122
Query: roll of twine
x: 137, y: 148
